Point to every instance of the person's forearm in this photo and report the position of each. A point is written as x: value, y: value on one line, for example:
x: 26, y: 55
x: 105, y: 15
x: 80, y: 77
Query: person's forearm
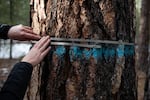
x: 17, y: 82
x: 4, y: 28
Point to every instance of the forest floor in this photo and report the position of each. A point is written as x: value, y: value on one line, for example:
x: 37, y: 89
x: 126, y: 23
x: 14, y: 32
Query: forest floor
x: 5, y: 67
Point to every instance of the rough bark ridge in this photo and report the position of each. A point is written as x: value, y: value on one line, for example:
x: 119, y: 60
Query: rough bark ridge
x: 74, y: 73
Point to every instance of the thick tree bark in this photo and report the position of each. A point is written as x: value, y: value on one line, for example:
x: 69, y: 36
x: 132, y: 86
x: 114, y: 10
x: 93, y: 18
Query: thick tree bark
x: 75, y: 73
x: 142, y: 52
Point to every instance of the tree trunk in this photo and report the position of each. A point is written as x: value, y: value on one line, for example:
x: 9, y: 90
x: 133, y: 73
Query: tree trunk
x: 142, y: 52
x: 76, y: 73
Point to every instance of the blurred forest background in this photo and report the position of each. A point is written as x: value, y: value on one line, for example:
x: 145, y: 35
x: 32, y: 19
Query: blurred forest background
x: 12, y: 12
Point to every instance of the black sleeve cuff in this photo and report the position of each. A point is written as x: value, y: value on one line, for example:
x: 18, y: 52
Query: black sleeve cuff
x: 4, y: 28
x: 18, y: 80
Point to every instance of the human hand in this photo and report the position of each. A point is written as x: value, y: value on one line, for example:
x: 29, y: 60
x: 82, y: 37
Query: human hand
x: 22, y: 33
x: 38, y: 51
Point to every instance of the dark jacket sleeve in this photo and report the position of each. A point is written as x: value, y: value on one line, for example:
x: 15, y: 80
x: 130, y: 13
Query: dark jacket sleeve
x: 17, y: 82
x: 4, y: 28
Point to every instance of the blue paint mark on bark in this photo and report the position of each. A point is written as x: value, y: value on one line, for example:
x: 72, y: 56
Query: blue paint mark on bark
x: 108, y: 52
x: 60, y: 51
x: 97, y: 53
x: 129, y: 50
x: 77, y: 53
x: 120, y: 51
x: 87, y: 53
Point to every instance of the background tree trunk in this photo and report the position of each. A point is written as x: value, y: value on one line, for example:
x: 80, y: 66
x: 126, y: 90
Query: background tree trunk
x: 75, y: 73
x: 142, y: 52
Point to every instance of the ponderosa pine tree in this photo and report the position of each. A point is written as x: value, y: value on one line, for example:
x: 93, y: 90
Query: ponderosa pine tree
x: 77, y: 73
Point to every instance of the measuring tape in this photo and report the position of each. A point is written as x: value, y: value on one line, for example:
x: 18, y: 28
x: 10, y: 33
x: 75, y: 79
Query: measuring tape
x: 89, y: 43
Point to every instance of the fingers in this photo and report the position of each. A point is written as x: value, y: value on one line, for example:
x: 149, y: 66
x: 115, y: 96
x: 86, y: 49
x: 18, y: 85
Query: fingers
x: 42, y: 45
x: 45, y: 52
x: 27, y: 33
x: 41, y: 42
x: 29, y: 36
x: 27, y: 27
x: 35, y: 55
x: 28, y: 30
x: 45, y: 45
